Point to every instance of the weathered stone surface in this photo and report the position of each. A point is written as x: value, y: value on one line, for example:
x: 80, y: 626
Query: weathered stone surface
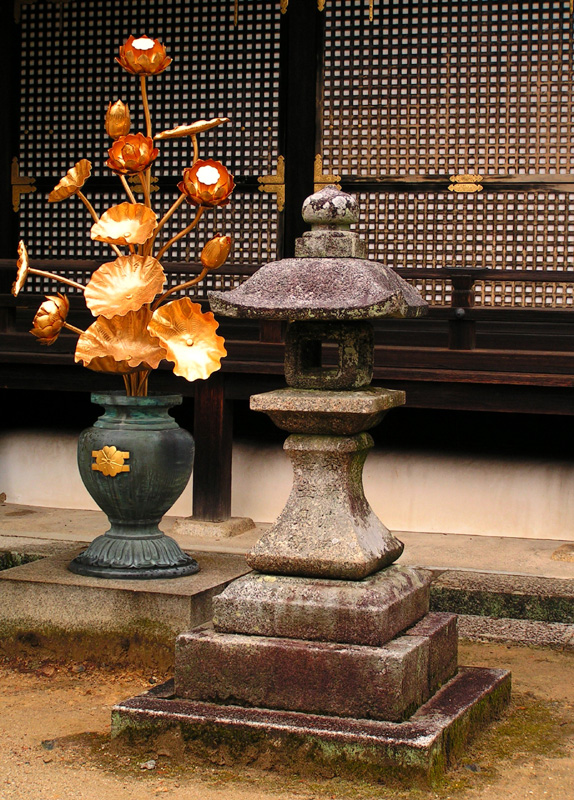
x: 321, y: 289
x: 434, y: 737
x: 330, y: 244
x: 330, y: 208
x: 354, y: 348
x: 322, y: 411
x: 367, y: 612
x: 504, y: 596
x: 387, y: 682
x: 441, y: 630
x: 327, y: 528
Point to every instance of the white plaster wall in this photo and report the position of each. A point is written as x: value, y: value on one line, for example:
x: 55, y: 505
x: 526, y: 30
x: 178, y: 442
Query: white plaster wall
x: 410, y: 491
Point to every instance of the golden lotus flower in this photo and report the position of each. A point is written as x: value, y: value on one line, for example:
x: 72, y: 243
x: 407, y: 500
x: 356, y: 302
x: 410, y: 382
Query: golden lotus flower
x: 143, y: 56
x: 73, y: 180
x: 123, y: 285
x: 127, y: 223
x: 189, y: 337
x: 117, y: 120
x: 215, y: 252
x: 23, y: 265
x: 207, y: 183
x: 131, y: 154
x: 126, y: 340
x: 193, y: 129
x: 50, y: 318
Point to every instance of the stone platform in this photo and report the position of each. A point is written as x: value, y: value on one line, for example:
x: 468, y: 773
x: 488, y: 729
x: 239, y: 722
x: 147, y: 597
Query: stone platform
x: 45, y: 607
x: 425, y: 744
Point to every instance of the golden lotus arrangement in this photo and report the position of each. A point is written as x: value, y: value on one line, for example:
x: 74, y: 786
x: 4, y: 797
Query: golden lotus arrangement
x: 136, y: 327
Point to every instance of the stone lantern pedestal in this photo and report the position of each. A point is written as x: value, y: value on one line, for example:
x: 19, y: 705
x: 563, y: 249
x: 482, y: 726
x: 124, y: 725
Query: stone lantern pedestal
x: 326, y: 656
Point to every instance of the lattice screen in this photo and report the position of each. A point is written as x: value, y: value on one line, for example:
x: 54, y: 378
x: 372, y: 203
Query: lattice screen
x: 436, y: 89
x: 69, y: 75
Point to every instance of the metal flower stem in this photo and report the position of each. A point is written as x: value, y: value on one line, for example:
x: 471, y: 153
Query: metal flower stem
x: 145, y: 106
x: 164, y: 219
x: 95, y: 217
x: 178, y: 288
x: 182, y: 233
x: 58, y: 278
x: 136, y: 383
x: 73, y: 328
x: 129, y: 192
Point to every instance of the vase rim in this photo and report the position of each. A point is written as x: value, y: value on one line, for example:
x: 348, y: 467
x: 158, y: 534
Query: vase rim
x: 119, y: 398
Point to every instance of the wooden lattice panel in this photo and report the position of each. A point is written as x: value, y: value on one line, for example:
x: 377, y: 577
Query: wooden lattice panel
x: 449, y: 87
x: 219, y: 69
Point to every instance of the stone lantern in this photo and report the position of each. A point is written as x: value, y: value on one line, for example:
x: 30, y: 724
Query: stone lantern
x: 329, y: 294
x: 327, y: 652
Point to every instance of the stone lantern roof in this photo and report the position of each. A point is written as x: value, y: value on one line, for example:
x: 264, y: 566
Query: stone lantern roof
x: 329, y: 279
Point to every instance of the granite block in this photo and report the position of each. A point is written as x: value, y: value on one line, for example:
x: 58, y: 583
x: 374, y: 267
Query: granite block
x: 441, y: 631
x: 387, y: 682
x: 367, y: 612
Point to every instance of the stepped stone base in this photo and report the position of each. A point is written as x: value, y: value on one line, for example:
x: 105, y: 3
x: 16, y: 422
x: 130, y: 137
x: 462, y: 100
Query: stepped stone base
x: 367, y: 612
x: 326, y: 745
x: 387, y: 682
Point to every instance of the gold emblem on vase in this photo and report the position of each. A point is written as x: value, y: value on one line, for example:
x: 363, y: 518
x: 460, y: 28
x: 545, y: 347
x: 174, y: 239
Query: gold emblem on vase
x: 110, y: 461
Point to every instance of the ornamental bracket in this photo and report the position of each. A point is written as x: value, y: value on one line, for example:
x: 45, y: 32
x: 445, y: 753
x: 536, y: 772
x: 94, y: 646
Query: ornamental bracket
x: 466, y: 183
x: 275, y: 183
x: 20, y: 184
x: 322, y: 179
x: 136, y: 182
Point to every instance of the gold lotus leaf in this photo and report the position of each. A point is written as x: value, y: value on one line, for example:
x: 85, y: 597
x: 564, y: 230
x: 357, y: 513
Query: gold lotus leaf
x: 110, y: 365
x: 193, y: 129
x: 189, y: 337
x: 23, y: 269
x: 124, y: 285
x: 73, y: 180
x: 126, y: 340
x: 126, y: 223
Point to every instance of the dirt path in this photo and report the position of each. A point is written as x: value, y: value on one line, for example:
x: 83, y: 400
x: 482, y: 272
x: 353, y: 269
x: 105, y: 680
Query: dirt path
x: 54, y: 745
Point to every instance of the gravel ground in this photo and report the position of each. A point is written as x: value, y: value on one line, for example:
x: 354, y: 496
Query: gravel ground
x: 54, y: 741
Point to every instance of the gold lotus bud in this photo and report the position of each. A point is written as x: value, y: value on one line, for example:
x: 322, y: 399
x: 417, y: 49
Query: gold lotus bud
x: 50, y: 318
x: 118, y: 120
x: 215, y: 252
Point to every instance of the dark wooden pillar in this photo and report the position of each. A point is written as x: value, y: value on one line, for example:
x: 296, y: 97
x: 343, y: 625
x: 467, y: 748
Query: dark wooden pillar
x: 213, y: 433
x: 300, y: 72
x: 461, y: 325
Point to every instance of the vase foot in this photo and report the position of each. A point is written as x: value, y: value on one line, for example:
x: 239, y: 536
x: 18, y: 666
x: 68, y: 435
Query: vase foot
x: 131, y: 573
x: 119, y: 555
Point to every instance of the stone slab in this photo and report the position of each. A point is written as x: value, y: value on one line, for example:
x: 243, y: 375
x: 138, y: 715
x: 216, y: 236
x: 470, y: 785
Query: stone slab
x: 368, y: 612
x: 504, y: 596
x: 427, y: 743
x: 234, y: 526
x: 441, y: 630
x: 43, y: 601
x: 322, y: 411
x: 387, y: 682
x: 555, y: 635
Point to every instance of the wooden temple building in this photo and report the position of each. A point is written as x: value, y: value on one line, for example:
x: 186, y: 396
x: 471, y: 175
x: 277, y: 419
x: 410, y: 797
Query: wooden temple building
x: 452, y: 122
